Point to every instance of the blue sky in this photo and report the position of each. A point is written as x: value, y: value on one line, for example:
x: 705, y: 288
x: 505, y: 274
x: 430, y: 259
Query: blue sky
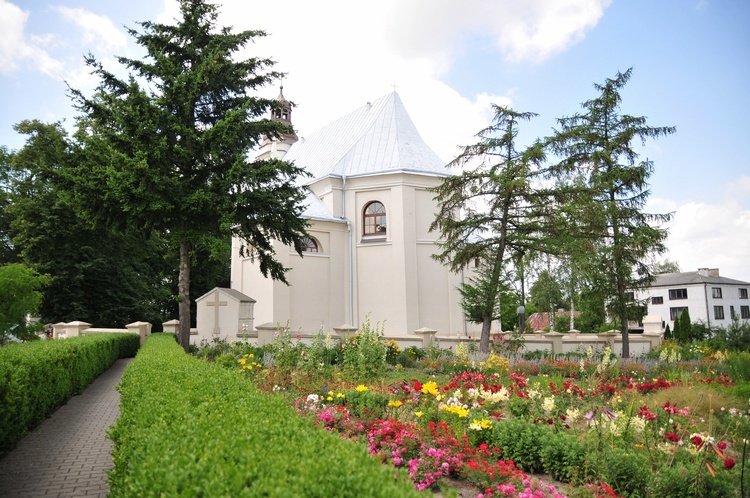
x: 449, y: 60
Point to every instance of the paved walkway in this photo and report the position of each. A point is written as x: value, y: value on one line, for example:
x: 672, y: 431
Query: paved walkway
x: 68, y: 454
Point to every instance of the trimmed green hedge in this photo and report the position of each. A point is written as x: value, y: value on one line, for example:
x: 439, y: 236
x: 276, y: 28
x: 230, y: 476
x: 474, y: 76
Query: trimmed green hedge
x: 192, y: 428
x: 37, y: 377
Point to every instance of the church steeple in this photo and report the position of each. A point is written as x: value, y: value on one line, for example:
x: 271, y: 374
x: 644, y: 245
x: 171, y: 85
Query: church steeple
x: 277, y: 148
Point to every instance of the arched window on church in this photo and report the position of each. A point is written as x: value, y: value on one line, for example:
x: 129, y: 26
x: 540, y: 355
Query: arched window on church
x: 309, y: 245
x: 374, y: 221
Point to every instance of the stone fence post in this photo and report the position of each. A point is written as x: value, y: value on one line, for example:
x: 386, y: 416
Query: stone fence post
x: 74, y: 329
x: 557, y: 341
x: 428, y: 336
x: 171, y: 327
x: 345, y: 331
x: 143, y: 329
x: 266, y: 333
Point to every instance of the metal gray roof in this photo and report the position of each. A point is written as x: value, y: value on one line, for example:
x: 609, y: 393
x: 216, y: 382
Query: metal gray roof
x: 377, y: 138
x: 234, y: 294
x: 692, y: 277
x: 315, y: 210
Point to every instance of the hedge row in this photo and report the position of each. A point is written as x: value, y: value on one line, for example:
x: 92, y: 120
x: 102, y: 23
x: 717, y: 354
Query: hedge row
x: 192, y: 428
x: 37, y: 377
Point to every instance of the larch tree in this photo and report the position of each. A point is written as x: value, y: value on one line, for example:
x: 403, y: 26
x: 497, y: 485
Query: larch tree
x: 168, y: 148
x: 598, y: 155
x: 492, y: 211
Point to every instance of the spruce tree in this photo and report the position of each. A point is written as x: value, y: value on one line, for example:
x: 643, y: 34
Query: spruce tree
x: 169, y: 145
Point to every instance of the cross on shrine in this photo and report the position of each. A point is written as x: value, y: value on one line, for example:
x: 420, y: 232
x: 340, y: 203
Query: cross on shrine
x: 216, y: 303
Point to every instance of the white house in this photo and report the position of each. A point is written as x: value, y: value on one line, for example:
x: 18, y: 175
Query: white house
x: 370, y: 248
x: 707, y: 296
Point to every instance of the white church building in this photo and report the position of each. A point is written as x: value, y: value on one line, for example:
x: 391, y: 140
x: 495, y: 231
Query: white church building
x: 369, y: 253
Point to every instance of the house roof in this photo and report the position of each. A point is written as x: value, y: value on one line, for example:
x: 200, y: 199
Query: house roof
x: 377, y: 138
x: 232, y: 293
x: 691, y: 278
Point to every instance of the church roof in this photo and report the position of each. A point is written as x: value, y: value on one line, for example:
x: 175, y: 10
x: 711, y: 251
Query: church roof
x: 377, y: 138
x: 314, y: 209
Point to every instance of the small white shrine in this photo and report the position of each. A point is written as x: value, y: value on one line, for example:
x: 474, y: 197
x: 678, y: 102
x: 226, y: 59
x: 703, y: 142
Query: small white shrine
x: 225, y: 314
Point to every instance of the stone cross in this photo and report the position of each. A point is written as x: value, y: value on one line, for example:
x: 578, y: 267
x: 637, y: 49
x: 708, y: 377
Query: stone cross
x: 216, y: 303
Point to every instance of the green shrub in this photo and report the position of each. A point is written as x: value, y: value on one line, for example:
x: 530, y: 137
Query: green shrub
x: 364, y: 354
x: 562, y: 455
x: 521, y: 441
x: 192, y: 428
x: 37, y: 377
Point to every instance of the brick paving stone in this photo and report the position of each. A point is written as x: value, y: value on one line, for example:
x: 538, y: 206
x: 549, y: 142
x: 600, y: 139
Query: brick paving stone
x: 68, y: 454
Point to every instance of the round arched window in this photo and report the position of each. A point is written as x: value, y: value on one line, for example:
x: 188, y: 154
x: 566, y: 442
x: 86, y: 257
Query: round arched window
x: 374, y: 219
x: 309, y: 245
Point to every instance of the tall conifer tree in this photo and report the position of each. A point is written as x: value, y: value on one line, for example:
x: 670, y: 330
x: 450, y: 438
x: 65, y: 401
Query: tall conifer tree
x: 492, y: 211
x: 169, y: 146
x: 599, y: 156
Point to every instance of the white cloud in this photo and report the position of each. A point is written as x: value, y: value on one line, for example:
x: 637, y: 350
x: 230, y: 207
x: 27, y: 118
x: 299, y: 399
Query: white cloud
x: 705, y: 235
x: 529, y: 30
x: 97, y: 30
x: 16, y: 52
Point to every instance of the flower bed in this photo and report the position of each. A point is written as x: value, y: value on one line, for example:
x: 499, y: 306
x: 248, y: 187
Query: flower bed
x: 605, y: 427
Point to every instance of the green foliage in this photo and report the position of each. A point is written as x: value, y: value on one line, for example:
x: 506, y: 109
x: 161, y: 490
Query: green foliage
x: 668, y: 333
x: 735, y: 337
x: 608, y: 234
x: 96, y: 274
x: 251, y: 444
x: 37, y: 377
x: 546, y: 293
x: 492, y: 211
x: 364, y: 354
x: 521, y: 441
x: 173, y: 155
x: 627, y: 472
x: 562, y: 455
x: 20, y: 295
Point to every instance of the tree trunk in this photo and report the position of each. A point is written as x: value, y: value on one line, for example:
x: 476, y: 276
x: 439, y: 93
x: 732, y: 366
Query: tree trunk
x: 484, y: 340
x: 183, y: 285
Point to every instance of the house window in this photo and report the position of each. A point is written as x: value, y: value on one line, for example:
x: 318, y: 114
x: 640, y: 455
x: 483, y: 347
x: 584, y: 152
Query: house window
x: 630, y: 296
x: 743, y: 293
x: 676, y: 312
x: 309, y: 245
x: 716, y: 292
x: 374, y: 219
x: 677, y: 293
x: 657, y: 300
x: 719, y: 312
x: 745, y: 312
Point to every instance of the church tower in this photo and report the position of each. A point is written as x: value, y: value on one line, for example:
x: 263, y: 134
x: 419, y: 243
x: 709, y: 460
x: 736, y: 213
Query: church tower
x: 278, y: 147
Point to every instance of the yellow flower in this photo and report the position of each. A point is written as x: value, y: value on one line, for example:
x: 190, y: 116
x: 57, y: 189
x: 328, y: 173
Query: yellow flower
x: 430, y: 387
x: 458, y: 410
x: 340, y: 395
x: 361, y: 388
x: 478, y: 425
x: 418, y: 414
x: 395, y: 403
x: 329, y: 398
x: 241, y: 361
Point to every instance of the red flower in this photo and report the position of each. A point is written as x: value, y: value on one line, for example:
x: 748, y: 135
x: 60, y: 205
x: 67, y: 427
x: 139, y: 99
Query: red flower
x: 698, y: 441
x: 722, y: 445
x: 728, y: 463
x: 646, y: 414
x: 671, y: 436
